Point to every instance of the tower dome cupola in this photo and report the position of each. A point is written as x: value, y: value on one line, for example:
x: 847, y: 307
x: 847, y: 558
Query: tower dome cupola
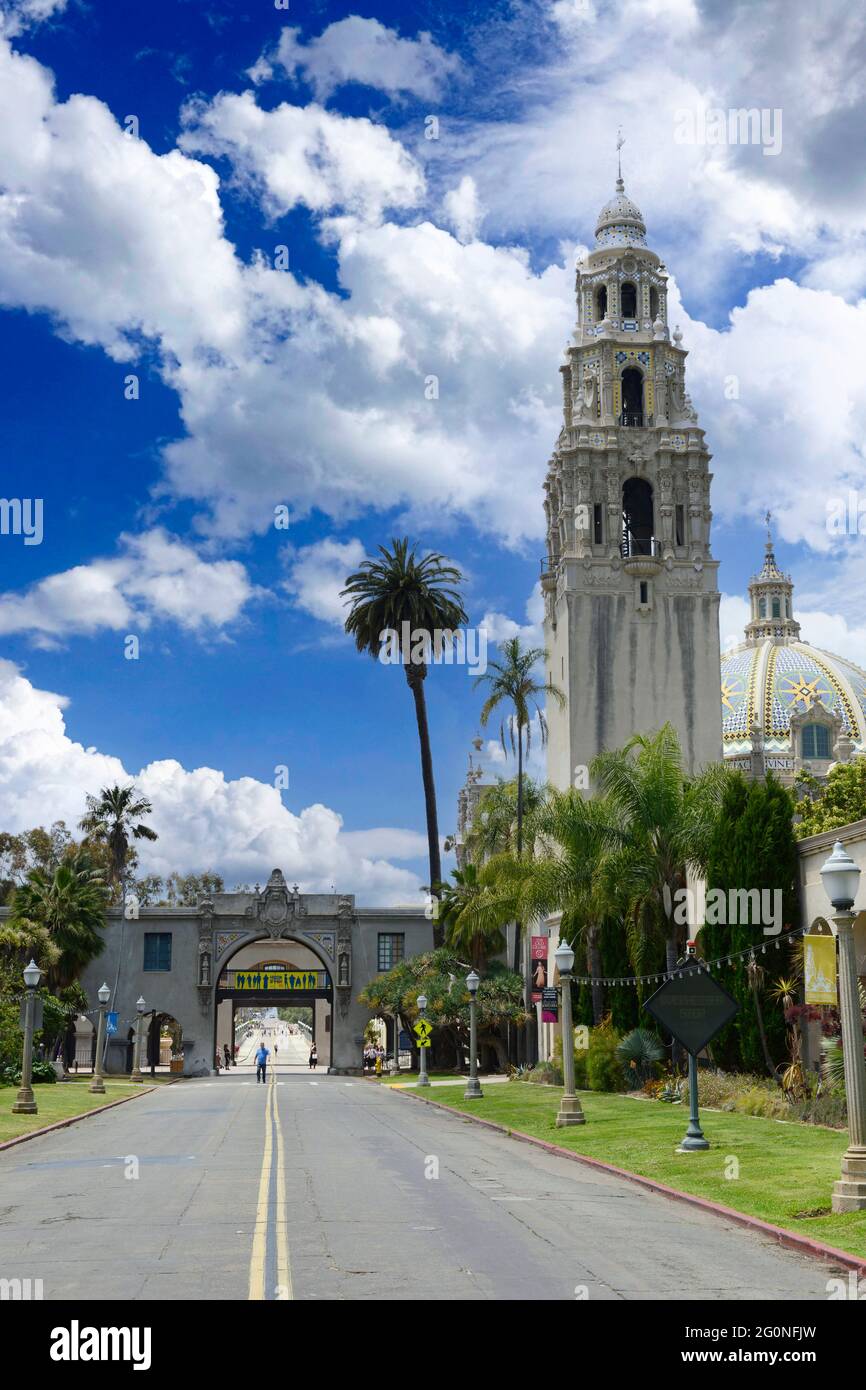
x: 772, y: 597
x: 620, y: 222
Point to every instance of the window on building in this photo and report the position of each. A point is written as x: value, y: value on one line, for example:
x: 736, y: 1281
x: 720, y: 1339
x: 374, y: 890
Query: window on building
x: 157, y: 950
x: 815, y: 741
x: 391, y: 949
x: 654, y: 304
x: 777, y: 608
x: 601, y: 303
x: 762, y: 608
x: 680, y: 524
x: 597, y: 523
x: 644, y: 592
x: 628, y: 300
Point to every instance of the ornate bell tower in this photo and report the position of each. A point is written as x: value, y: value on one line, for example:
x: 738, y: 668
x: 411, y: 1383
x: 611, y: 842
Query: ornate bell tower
x: 631, y: 601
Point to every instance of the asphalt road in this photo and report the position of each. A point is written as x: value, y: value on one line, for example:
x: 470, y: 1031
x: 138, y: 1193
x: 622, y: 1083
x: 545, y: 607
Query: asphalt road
x: 326, y: 1188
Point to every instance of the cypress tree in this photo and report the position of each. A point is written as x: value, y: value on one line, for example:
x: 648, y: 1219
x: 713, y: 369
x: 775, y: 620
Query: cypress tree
x: 753, y: 847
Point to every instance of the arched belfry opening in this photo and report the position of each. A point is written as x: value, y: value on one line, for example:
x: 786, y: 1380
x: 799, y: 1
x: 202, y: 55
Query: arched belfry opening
x: 632, y: 397
x: 601, y: 303
x: 637, y: 518
x: 628, y: 300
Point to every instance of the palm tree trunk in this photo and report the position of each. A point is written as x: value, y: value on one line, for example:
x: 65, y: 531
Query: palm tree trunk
x: 415, y: 677
x: 593, y: 960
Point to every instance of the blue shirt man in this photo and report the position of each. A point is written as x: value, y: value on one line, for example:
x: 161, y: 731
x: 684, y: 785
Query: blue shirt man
x: 262, y: 1063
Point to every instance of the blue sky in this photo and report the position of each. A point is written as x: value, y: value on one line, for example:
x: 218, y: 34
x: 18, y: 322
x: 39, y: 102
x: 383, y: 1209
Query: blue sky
x: 154, y: 255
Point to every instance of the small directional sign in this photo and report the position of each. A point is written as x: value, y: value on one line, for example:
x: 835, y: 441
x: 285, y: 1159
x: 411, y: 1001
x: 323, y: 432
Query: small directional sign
x: 422, y: 1031
x: 693, y: 1007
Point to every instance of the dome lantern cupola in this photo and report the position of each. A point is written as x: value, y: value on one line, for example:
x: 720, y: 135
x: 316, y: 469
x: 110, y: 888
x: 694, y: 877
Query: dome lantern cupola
x: 772, y: 597
x: 620, y: 222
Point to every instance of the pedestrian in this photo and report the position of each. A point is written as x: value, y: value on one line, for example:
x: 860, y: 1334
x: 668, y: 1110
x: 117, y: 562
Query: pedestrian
x: 227, y: 1054
x: 276, y: 1050
x: 262, y: 1062
x: 218, y: 1060
x: 314, y: 1058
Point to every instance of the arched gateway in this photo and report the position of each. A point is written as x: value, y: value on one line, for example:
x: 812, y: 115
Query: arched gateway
x: 189, y: 962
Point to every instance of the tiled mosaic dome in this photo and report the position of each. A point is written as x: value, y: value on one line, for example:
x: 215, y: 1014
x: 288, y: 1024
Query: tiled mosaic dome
x: 769, y: 682
x: 620, y: 222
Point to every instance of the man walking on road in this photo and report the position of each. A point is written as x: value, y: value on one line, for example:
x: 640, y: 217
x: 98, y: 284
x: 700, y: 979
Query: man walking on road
x: 262, y: 1062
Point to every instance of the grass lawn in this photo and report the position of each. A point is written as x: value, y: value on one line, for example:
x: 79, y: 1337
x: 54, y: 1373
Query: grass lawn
x: 58, y: 1102
x: 786, y: 1171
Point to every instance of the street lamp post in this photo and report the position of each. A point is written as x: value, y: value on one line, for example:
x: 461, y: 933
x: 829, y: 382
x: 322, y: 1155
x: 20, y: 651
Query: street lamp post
x: 694, y: 1139
x: 97, y: 1085
x: 473, y: 1086
x: 840, y: 877
x: 423, y: 1078
x: 25, y: 1103
x: 136, y: 1047
x: 570, y: 1111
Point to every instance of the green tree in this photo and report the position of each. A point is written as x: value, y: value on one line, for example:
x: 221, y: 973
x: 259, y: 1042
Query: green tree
x: 515, y: 693
x: 114, y: 819
x: 666, y: 819
x: 753, y: 846
x: 568, y: 874
x: 441, y: 976
x: 831, y: 804
x: 384, y: 594
x: 467, y: 912
x: 69, y: 905
x: 494, y: 824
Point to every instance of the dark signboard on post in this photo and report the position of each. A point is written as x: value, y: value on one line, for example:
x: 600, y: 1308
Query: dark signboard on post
x: 549, y: 1005
x: 692, y: 1007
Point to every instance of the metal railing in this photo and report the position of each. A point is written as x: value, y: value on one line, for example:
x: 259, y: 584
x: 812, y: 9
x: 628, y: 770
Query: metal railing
x: 638, y: 545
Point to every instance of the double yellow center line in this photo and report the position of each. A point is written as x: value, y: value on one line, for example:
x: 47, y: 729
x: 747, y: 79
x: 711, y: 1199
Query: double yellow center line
x: 270, y: 1224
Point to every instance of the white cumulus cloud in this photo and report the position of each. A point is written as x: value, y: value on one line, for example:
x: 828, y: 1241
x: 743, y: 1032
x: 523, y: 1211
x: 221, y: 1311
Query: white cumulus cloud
x: 364, y: 51
x: 238, y: 827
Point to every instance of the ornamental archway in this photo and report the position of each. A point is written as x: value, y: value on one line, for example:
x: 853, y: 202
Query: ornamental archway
x: 263, y: 972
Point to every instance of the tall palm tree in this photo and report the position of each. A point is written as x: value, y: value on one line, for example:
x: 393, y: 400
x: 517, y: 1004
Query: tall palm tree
x: 384, y: 594
x: 667, y: 819
x: 69, y: 904
x: 114, y: 819
x: 512, y: 682
x: 514, y: 687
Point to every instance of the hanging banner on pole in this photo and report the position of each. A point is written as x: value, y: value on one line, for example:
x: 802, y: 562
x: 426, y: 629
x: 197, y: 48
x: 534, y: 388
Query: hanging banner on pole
x: 539, y: 948
x: 819, y: 969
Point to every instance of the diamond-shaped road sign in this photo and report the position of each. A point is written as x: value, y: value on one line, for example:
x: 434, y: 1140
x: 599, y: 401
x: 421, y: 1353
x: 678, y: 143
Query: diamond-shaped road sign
x: 693, y: 1007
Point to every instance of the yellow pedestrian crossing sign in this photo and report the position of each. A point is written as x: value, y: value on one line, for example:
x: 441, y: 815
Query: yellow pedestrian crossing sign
x: 422, y: 1031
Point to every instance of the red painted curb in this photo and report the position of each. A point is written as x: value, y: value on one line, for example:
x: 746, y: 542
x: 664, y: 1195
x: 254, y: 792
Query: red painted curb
x: 73, y: 1119
x: 783, y: 1237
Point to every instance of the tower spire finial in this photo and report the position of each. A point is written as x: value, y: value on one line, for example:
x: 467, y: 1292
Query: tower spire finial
x: 768, y: 517
x: 620, y: 141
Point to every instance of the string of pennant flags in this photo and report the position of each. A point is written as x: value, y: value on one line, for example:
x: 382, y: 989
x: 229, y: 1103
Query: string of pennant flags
x: 699, y: 966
